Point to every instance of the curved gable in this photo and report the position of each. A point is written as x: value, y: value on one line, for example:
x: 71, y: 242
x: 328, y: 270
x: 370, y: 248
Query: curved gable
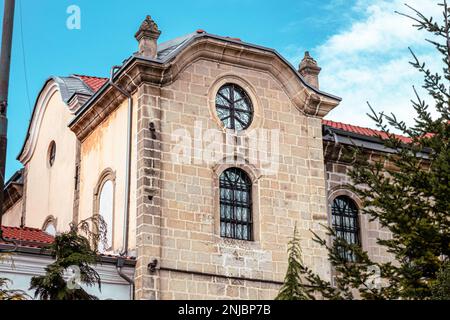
x: 68, y: 88
x: 305, y: 97
x: 176, y: 55
x: 50, y: 88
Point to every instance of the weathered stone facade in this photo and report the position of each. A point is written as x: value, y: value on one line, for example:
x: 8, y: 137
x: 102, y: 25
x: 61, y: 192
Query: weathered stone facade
x: 338, y: 165
x: 178, y: 224
x: 173, y: 225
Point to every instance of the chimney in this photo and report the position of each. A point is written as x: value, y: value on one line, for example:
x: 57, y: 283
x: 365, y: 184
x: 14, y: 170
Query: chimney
x: 147, y: 36
x: 310, y: 70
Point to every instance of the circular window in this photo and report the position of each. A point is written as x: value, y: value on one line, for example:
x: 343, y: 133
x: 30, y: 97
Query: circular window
x: 51, y: 153
x: 234, y: 107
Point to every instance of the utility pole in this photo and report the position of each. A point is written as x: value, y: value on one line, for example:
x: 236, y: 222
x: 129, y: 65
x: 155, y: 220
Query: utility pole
x: 5, y: 60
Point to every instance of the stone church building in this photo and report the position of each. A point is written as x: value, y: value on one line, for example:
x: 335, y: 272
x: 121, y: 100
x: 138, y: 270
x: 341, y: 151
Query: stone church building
x: 145, y: 150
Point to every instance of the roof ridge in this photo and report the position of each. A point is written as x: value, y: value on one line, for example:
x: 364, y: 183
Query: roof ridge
x: 364, y: 131
x: 22, y: 228
x: 349, y: 124
x: 88, y: 76
x: 93, y: 83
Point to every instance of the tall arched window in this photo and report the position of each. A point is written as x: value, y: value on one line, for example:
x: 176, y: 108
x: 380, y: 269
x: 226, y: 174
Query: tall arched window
x: 106, y: 211
x: 236, y: 205
x: 344, y: 219
x: 49, y: 226
x: 50, y: 229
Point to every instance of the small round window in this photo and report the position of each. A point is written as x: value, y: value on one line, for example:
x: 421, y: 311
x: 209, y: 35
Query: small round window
x: 234, y: 107
x: 51, y: 153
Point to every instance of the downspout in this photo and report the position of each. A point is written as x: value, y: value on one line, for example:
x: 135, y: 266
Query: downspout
x: 124, y: 251
x: 119, y: 266
x: 332, y: 133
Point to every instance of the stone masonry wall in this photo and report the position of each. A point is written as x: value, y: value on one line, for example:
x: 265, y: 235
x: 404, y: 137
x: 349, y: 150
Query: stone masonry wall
x: 179, y: 223
x: 148, y: 193
x: 337, y: 181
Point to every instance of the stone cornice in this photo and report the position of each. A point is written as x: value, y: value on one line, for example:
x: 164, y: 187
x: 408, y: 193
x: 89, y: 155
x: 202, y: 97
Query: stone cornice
x: 34, y: 265
x: 137, y: 71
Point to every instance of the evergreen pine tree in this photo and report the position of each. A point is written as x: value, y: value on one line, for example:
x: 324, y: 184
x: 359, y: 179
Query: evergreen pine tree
x: 407, y: 192
x: 72, y: 251
x: 441, y: 288
x: 292, y: 288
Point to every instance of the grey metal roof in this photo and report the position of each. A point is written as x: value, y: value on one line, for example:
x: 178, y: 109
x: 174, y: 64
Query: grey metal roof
x: 166, y: 48
x: 16, y: 178
x: 340, y: 136
x: 169, y: 49
x: 71, y: 85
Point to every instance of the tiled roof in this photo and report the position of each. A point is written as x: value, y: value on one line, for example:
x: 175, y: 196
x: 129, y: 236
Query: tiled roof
x: 31, y: 236
x: 360, y: 130
x: 36, y: 238
x: 95, y: 83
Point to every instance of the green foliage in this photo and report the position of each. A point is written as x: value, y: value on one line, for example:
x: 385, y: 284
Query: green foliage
x: 407, y: 192
x: 9, y: 294
x: 292, y: 288
x: 5, y: 292
x: 72, y: 251
x: 441, y: 287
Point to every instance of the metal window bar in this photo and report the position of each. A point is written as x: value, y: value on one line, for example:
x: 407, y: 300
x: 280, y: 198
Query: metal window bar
x: 236, y: 205
x: 229, y: 102
x: 345, y: 223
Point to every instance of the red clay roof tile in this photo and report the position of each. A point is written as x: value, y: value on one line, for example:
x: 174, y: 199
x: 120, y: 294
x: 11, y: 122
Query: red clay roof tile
x: 95, y: 83
x: 27, y: 235
x: 36, y: 238
x: 360, y: 130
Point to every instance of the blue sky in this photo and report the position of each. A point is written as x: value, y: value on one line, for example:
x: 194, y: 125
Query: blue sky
x: 355, y: 42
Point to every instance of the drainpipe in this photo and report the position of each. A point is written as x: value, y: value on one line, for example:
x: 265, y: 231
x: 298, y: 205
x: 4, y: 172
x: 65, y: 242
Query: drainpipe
x: 124, y: 251
x: 331, y: 132
x: 119, y: 266
x: 128, y: 161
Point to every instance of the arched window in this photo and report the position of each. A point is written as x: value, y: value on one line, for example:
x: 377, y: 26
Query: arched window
x: 49, y: 226
x: 236, y: 205
x: 234, y: 107
x: 50, y: 229
x: 344, y: 219
x: 51, y: 153
x: 106, y: 211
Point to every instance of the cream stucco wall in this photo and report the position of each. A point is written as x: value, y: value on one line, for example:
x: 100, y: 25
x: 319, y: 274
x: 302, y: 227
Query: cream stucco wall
x: 50, y: 190
x: 11, y: 218
x: 105, y: 149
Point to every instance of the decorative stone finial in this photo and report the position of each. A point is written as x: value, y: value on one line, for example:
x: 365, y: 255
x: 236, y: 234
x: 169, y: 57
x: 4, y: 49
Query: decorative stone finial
x: 147, y: 36
x: 310, y: 70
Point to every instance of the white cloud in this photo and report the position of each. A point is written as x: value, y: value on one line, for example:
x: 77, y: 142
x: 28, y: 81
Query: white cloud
x: 369, y: 60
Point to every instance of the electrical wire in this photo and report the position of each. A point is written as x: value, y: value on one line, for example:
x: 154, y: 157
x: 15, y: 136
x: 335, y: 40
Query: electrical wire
x: 24, y: 59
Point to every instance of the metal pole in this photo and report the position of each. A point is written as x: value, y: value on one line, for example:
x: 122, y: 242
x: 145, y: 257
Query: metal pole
x: 5, y: 60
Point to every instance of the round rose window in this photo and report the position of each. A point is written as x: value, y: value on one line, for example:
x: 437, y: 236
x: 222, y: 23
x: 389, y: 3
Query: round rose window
x: 234, y: 107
